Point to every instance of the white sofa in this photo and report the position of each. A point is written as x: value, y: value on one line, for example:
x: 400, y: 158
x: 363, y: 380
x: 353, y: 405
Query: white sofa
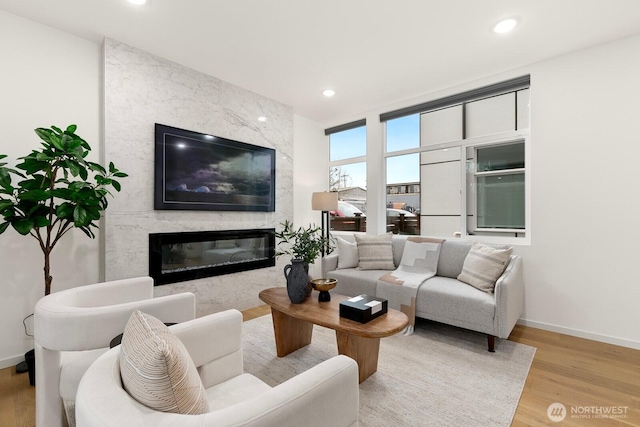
x: 325, y: 395
x: 72, y: 328
x: 443, y: 298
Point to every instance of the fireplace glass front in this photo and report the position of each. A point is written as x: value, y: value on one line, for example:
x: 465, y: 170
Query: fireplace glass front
x: 176, y: 257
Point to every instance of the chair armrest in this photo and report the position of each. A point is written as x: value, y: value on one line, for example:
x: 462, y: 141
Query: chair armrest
x: 214, y: 343
x: 509, y: 294
x: 68, y: 328
x: 325, y: 395
x: 329, y: 263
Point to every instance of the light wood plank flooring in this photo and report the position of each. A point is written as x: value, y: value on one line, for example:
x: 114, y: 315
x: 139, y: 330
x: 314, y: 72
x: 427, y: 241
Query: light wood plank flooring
x: 581, y: 374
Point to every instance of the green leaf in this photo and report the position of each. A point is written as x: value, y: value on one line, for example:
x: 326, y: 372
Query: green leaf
x: 73, y: 167
x: 116, y: 185
x: 65, y: 210
x: 40, y: 221
x: 120, y: 175
x: 44, y: 134
x: 35, y: 195
x: 80, y: 217
x: 4, y: 204
x: 71, y: 128
x: 96, y: 167
x: 64, y: 193
x: 83, y: 172
x: 112, y: 168
x: 3, y: 227
x: 42, y: 157
x: 57, y: 129
x: 31, y: 166
x: 23, y: 226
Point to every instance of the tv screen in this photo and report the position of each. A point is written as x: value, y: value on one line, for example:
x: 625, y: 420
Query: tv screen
x: 196, y: 171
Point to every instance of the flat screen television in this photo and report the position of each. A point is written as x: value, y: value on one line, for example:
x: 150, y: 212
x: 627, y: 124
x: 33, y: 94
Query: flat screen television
x: 196, y: 171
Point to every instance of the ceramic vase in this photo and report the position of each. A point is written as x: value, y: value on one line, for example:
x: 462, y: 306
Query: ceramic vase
x: 297, y: 280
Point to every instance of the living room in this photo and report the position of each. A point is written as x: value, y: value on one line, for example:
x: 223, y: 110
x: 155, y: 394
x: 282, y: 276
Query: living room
x: 583, y: 196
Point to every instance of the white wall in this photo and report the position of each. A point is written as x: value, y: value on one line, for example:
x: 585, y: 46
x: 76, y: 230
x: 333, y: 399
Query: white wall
x: 585, y: 192
x: 309, y: 151
x: 47, y: 78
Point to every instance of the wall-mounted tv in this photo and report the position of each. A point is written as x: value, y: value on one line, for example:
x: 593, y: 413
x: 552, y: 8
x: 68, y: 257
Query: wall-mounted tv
x: 196, y: 171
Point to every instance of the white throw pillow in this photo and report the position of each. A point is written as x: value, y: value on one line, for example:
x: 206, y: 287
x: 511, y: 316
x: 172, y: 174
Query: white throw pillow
x: 484, y: 265
x: 375, y: 252
x: 156, y: 368
x: 347, y: 253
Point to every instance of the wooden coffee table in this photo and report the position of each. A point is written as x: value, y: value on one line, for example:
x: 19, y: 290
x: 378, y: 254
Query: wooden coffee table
x: 293, y: 325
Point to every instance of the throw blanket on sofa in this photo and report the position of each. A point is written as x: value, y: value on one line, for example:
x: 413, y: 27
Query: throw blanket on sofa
x: 400, y: 287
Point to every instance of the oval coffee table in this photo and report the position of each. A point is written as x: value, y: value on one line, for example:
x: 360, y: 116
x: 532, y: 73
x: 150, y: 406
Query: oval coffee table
x: 293, y: 325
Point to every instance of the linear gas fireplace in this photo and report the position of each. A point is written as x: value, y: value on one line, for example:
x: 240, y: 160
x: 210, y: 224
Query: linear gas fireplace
x: 176, y: 257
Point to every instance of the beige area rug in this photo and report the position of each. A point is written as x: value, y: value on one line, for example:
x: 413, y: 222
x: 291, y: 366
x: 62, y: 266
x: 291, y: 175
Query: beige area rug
x: 439, y: 376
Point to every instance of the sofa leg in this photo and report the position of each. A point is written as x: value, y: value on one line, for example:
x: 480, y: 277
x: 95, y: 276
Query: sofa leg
x: 491, y: 341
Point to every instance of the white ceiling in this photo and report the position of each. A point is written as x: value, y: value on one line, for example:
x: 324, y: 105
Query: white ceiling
x: 372, y: 52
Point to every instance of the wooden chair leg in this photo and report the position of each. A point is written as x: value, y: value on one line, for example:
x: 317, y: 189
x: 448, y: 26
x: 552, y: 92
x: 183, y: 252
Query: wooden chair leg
x: 491, y: 341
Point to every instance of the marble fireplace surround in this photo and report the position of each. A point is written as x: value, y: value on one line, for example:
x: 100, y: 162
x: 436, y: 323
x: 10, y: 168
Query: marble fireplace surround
x: 141, y: 89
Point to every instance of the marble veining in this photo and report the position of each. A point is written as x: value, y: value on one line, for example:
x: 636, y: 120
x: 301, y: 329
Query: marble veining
x: 141, y: 89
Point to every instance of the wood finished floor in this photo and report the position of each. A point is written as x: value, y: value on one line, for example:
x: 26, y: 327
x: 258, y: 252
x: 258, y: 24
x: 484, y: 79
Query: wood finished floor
x: 581, y: 374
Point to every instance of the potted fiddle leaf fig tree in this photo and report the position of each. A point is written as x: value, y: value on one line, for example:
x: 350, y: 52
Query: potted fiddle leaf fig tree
x: 60, y: 190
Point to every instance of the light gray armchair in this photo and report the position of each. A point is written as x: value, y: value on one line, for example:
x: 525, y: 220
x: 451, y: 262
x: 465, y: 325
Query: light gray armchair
x: 325, y: 395
x: 72, y: 328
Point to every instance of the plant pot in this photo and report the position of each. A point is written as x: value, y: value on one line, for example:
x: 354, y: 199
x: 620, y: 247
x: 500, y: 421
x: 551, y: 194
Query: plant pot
x: 298, y: 286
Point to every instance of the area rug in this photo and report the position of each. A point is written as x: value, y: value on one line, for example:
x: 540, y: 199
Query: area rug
x: 439, y: 376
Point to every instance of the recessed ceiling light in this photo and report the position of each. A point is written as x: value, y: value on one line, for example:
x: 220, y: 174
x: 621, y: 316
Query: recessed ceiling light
x: 328, y: 93
x: 262, y: 119
x: 137, y: 2
x: 505, y: 26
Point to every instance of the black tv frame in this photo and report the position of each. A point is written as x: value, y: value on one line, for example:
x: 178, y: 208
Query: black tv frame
x: 237, y: 189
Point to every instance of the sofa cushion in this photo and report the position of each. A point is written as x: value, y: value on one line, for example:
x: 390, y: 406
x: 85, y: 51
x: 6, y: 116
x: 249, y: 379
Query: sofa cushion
x: 452, y: 256
x: 354, y: 282
x: 157, y: 370
x: 347, y: 253
x: 484, y: 265
x: 375, y: 252
x: 455, y: 303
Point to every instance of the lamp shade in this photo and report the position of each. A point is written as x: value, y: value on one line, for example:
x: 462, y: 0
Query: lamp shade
x: 324, y: 201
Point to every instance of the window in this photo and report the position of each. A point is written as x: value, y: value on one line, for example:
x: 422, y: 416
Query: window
x: 496, y: 175
x: 466, y: 156
x: 348, y: 175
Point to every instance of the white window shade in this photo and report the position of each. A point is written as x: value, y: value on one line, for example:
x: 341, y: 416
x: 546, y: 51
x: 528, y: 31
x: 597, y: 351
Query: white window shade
x: 491, y: 115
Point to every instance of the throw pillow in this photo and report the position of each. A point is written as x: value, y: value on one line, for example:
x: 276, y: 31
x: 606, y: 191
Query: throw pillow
x: 347, y: 253
x: 375, y: 252
x: 483, y: 266
x: 157, y: 370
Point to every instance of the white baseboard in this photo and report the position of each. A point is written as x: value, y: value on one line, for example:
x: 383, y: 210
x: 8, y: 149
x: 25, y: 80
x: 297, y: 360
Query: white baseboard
x: 581, y: 334
x: 11, y: 361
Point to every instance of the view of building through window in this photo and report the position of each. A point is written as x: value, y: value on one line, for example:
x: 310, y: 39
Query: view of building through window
x: 455, y: 169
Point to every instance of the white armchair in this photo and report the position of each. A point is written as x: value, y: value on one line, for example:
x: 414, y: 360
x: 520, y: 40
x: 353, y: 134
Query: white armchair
x: 72, y: 328
x: 325, y: 395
